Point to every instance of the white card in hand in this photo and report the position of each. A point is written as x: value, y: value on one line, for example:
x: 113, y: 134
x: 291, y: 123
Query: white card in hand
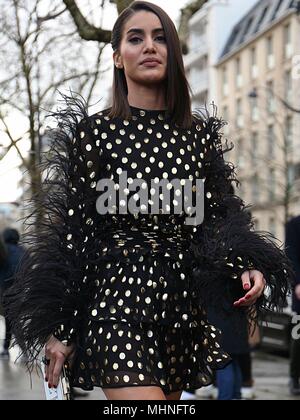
x: 52, y: 393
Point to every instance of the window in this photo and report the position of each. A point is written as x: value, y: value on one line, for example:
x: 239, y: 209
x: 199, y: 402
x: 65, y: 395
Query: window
x: 279, y: 3
x: 197, y: 37
x: 240, y: 154
x: 238, y: 72
x: 254, y: 149
x: 225, y: 81
x: 272, y: 226
x: 246, y: 29
x: 239, y: 114
x: 202, y: 64
x: 270, y: 97
x: 288, y: 85
x: 254, y: 109
x: 261, y: 19
x: 271, y: 184
x: 288, y: 49
x: 254, y: 68
x: 226, y: 118
x: 271, y: 142
x: 270, y: 53
x: 255, y: 189
x: 225, y: 113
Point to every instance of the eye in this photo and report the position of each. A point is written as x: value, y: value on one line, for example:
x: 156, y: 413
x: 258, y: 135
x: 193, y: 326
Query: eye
x: 161, y: 38
x: 135, y: 40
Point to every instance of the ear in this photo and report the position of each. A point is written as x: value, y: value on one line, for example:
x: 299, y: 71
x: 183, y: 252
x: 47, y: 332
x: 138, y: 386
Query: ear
x: 118, y: 60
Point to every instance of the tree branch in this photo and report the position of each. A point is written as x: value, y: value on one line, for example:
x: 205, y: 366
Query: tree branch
x: 50, y: 16
x: 13, y: 142
x: 66, y: 79
x: 86, y: 30
x: 97, y: 73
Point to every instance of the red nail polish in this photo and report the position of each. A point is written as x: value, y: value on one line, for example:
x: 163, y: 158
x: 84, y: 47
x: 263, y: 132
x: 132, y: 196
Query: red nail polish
x: 248, y: 297
x: 46, y: 379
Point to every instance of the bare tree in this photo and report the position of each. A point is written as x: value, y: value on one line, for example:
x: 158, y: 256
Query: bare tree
x: 88, y: 31
x: 91, y: 32
x: 37, y: 60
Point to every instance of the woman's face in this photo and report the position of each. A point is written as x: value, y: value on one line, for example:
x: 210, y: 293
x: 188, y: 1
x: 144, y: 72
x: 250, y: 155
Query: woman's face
x: 143, y: 38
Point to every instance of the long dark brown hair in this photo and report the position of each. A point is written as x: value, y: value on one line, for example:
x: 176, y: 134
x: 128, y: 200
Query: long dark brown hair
x: 177, y: 85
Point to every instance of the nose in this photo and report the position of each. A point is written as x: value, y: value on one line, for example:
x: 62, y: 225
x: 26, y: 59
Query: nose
x: 149, y: 45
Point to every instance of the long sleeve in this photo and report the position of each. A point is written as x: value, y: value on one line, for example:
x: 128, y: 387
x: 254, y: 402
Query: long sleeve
x: 225, y: 244
x: 52, y: 288
x: 77, y: 243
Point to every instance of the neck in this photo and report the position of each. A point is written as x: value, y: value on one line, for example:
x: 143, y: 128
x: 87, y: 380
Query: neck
x: 147, y: 97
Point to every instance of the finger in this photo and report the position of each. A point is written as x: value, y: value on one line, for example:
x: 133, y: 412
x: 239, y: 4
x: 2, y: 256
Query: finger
x: 243, y: 302
x: 239, y: 302
x: 50, y: 371
x: 251, y: 297
x: 257, y: 289
x: 246, y: 280
x: 58, y: 368
x: 46, y: 370
x: 249, y: 302
x: 47, y: 357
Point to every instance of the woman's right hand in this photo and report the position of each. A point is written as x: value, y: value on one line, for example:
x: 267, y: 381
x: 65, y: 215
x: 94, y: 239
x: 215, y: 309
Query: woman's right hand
x: 57, y: 353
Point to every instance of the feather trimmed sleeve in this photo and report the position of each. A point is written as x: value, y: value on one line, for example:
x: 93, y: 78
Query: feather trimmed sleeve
x: 225, y: 245
x: 53, y: 287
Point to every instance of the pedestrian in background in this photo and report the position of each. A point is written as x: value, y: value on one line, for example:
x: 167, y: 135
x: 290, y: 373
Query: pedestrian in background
x: 293, y: 252
x: 3, y: 259
x: 234, y: 341
x: 14, y: 253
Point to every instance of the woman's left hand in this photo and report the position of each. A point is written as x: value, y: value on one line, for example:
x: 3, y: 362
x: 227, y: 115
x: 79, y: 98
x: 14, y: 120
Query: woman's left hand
x: 254, y: 283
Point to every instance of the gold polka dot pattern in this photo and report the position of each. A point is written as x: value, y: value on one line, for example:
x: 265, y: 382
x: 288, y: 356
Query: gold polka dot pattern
x: 145, y: 325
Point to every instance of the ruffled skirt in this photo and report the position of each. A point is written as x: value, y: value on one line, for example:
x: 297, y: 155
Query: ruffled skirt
x: 144, y: 327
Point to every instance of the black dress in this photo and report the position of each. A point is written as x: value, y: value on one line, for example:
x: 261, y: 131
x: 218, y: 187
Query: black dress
x: 130, y: 289
x: 145, y: 324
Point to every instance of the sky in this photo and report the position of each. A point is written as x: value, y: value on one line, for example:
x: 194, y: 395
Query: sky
x: 9, y: 174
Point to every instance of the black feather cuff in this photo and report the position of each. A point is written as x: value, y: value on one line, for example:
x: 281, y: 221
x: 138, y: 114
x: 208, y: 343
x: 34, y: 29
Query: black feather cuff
x: 225, y: 245
x: 51, y: 290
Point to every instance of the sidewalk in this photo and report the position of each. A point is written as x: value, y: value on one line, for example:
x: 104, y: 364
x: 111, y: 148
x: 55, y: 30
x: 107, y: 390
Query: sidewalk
x: 15, y: 381
x: 271, y: 378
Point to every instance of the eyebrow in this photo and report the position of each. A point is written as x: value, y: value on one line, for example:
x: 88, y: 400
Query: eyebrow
x: 141, y: 31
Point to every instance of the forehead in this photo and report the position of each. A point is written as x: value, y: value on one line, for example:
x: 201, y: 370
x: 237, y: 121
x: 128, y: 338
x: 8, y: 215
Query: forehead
x: 143, y: 20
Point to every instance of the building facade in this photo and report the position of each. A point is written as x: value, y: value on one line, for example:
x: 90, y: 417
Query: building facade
x: 209, y: 29
x: 258, y: 84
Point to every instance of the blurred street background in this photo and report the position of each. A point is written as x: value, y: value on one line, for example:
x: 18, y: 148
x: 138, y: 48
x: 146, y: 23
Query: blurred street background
x: 242, y: 55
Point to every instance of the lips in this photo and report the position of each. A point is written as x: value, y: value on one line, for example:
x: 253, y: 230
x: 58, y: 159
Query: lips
x: 151, y: 61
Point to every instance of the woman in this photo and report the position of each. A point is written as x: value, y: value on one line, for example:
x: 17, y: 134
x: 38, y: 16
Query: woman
x: 124, y: 296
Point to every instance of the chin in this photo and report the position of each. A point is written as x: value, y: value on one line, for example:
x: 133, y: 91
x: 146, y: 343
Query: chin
x: 152, y: 79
